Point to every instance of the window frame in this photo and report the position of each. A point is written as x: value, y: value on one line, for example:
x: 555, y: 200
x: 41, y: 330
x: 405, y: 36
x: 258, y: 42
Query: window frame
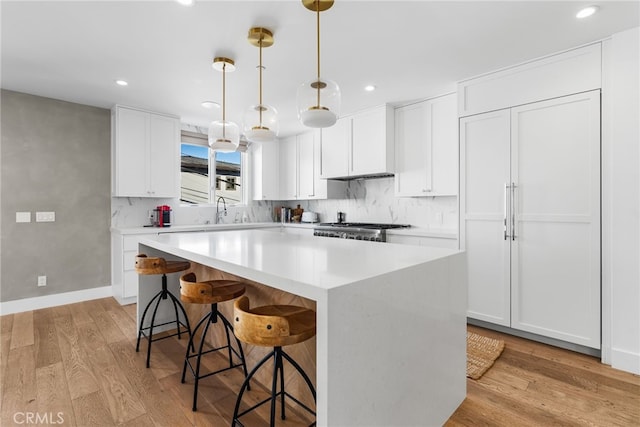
x: 199, y: 139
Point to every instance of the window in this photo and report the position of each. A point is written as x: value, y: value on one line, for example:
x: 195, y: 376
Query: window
x: 204, y: 177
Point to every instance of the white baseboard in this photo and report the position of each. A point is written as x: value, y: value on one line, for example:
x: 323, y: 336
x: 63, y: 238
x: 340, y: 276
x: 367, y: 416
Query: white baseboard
x: 625, y: 361
x: 46, y: 301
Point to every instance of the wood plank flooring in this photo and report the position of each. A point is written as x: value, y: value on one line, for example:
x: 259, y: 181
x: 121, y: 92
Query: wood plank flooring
x: 76, y: 365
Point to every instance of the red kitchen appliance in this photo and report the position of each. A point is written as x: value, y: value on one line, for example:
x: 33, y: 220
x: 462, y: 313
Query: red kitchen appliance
x: 162, y: 216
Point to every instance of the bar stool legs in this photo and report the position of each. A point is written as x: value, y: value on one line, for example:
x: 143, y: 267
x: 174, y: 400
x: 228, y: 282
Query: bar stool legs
x: 162, y: 295
x: 207, y: 320
x: 277, y: 354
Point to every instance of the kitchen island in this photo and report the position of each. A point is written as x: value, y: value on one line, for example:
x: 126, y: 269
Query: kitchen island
x: 391, y: 319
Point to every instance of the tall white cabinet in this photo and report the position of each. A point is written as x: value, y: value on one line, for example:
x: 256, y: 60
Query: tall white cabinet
x: 530, y: 217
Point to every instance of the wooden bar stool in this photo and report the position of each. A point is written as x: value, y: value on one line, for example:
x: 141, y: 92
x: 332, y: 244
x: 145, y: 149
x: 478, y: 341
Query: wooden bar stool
x: 273, y: 326
x: 152, y: 265
x: 210, y: 292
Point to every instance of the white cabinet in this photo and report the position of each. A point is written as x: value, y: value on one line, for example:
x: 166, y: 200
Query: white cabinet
x: 434, y: 242
x: 288, y: 168
x: 145, y: 150
x: 124, y: 279
x: 359, y: 145
x: 300, y: 165
x: 265, y: 175
x: 530, y: 217
x: 426, y: 148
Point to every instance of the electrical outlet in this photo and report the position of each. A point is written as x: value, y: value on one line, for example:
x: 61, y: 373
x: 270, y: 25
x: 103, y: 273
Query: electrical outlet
x: 23, y: 216
x: 42, y: 281
x: 45, y: 216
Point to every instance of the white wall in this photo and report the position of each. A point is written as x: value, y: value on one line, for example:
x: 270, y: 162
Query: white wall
x: 621, y: 141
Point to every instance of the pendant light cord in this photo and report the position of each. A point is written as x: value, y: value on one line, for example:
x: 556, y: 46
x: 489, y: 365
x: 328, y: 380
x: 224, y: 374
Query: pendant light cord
x: 224, y: 120
x: 318, y: 47
x: 260, y: 108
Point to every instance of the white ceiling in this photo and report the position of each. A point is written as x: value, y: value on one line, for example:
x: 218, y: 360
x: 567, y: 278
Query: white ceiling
x: 74, y: 50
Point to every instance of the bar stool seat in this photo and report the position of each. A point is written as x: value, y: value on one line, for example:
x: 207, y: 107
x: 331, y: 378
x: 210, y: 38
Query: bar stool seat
x: 210, y: 292
x: 146, y: 265
x: 273, y: 326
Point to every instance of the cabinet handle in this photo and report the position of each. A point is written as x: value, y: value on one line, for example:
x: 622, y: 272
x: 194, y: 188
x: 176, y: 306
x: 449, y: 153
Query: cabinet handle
x: 513, y: 211
x: 507, y: 187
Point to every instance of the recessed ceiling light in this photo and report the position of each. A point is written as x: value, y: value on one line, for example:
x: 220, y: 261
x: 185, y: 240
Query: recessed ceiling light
x: 121, y: 83
x: 186, y: 2
x: 370, y: 88
x: 210, y: 104
x: 587, y: 11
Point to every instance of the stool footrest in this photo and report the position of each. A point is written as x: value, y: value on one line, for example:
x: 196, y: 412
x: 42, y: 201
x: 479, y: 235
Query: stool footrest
x: 146, y: 328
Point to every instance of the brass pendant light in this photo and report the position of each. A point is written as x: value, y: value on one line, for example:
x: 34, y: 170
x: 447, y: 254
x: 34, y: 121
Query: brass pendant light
x: 318, y: 100
x: 261, y: 120
x: 224, y: 136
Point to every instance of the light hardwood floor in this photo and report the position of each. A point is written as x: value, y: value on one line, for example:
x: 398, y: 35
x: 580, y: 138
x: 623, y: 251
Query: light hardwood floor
x: 77, y: 364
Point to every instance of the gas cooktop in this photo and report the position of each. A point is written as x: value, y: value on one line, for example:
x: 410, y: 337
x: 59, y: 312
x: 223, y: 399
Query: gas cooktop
x: 363, y: 225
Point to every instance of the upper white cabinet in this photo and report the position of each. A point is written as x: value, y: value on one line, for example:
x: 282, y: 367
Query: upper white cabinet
x: 359, y: 145
x: 574, y: 71
x: 426, y: 148
x: 265, y: 171
x: 300, y: 165
x: 145, y: 150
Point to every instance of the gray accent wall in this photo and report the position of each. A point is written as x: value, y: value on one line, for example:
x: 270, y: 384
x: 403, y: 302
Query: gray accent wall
x: 55, y: 156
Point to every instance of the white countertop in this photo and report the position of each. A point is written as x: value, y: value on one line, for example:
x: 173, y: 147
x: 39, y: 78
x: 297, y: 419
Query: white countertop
x: 411, y: 231
x: 301, y: 264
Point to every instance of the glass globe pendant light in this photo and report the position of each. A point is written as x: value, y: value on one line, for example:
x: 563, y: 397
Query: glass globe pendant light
x: 318, y: 100
x: 224, y: 136
x: 261, y: 120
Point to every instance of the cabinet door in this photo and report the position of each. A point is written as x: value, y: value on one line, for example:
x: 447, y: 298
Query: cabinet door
x: 306, y: 170
x: 443, y: 134
x: 130, y: 147
x: 371, y: 152
x: 264, y: 171
x: 413, y: 153
x: 288, y: 169
x: 484, y: 160
x: 556, y: 253
x: 335, y: 145
x: 164, y: 155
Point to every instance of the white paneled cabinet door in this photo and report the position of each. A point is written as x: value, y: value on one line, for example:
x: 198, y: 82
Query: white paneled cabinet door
x: 164, y: 152
x: 556, y: 251
x: 264, y: 171
x: 484, y: 233
x: 336, y: 141
x: 288, y: 168
x: 413, y: 150
x: 306, y: 172
x: 130, y: 149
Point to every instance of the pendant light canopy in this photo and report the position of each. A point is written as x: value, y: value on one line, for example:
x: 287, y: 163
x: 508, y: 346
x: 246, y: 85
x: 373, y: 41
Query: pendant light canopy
x: 318, y: 100
x: 224, y: 136
x: 261, y: 120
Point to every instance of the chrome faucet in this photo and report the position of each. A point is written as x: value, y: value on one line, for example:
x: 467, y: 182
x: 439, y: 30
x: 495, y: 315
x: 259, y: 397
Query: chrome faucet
x: 218, y: 213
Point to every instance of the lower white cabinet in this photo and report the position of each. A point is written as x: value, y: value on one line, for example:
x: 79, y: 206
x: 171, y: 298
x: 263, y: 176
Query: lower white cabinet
x: 426, y: 148
x: 434, y: 242
x: 124, y: 279
x: 530, y: 217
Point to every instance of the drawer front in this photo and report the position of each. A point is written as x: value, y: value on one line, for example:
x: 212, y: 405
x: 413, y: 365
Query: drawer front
x: 129, y: 260
x: 130, y: 243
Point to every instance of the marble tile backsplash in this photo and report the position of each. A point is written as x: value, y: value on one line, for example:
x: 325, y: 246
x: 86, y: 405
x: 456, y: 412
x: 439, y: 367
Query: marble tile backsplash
x: 370, y: 200
x: 373, y: 200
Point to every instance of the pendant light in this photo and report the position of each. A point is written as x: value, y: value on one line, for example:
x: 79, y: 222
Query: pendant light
x: 319, y: 99
x: 261, y: 120
x: 224, y: 136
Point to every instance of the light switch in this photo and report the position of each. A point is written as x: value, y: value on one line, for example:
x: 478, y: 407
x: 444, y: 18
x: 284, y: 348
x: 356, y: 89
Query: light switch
x: 23, y: 216
x: 45, y: 216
